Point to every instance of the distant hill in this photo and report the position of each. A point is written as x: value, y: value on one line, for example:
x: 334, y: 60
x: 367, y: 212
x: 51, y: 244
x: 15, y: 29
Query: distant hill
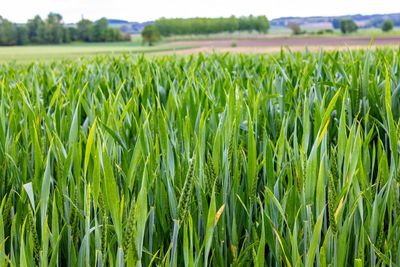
x: 128, y: 27
x: 363, y: 21
x: 117, y: 21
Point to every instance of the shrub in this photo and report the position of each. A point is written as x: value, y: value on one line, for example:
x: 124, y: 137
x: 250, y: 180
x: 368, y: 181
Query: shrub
x: 348, y: 26
x: 387, y: 25
x: 151, y: 34
x: 296, y: 29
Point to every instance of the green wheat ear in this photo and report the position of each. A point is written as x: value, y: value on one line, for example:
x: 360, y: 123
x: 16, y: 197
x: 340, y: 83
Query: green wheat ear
x: 320, y: 180
x: 253, y: 190
x: 104, y: 231
x: 129, y: 244
x: 334, y: 168
x: 7, y: 214
x: 186, y: 194
x: 360, y: 249
x: 332, y: 203
x: 381, y: 237
x: 212, y: 178
x: 33, y: 232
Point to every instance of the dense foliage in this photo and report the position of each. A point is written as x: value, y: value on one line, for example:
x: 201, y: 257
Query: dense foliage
x: 378, y: 22
x: 285, y: 160
x: 295, y: 28
x: 348, y: 26
x: 181, y: 26
x: 151, y: 34
x: 54, y: 31
x: 387, y: 25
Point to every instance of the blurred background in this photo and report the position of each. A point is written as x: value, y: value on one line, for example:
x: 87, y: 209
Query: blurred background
x: 78, y: 28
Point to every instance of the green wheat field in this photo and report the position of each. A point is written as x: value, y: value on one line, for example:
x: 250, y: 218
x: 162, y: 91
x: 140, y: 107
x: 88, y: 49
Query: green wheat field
x: 289, y: 159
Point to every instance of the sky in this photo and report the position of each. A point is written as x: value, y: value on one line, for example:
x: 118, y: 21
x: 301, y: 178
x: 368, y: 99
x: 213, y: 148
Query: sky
x: 145, y: 10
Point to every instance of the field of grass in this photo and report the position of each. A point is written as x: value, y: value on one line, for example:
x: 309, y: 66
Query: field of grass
x: 282, y: 32
x: 221, y: 160
x: 169, y: 45
x: 31, y: 53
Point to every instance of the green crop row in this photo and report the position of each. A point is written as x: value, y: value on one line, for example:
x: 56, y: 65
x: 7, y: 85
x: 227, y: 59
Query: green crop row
x: 218, y: 160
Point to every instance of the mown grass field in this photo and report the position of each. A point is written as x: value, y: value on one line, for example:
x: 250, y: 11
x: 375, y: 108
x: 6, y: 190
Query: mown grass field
x: 30, y: 53
x: 290, y: 159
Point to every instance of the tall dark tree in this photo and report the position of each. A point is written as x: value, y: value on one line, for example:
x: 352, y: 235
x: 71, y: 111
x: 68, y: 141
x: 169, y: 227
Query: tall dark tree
x: 151, y: 34
x: 387, y: 25
x: 8, y: 32
x: 22, y: 35
x: 261, y: 24
x: 54, y: 29
x: 348, y: 26
x: 100, y: 30
x: 73, y: 33
x: 245, y: 23
x: 36, y: 30
x: 84, y: 30
x: 66, y: 35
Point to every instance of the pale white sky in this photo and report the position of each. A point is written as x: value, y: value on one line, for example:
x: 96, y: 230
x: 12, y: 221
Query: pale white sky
x: 143, y: 10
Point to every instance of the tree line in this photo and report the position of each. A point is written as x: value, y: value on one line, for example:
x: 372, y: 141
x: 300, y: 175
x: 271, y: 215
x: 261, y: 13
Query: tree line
x: 347, y: 25
x: 179, y: 26
x: 52, y: 30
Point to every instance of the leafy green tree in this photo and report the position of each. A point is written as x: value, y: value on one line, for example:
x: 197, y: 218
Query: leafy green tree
x: 84, y: 31
x: 73, y: 33
x: 168, y: 27
x: 348, y: 26
x: 112, y: 34
x: 151, y: 34
x: 54, y: 29
x: 22, y: 35
x: 295, y: 27
x: 8, y: 32
x: 245, y: 23
x: 232, y: 24
x: 261, y: 24
x: 100, y: 30
x: 387, y: 25
x: 115, y: 35
x: 66, y: 35
x: 36, y: 30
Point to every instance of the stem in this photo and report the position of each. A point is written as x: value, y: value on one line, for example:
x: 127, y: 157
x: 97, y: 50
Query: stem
x: 174, y: 242
x: 334, y: 251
